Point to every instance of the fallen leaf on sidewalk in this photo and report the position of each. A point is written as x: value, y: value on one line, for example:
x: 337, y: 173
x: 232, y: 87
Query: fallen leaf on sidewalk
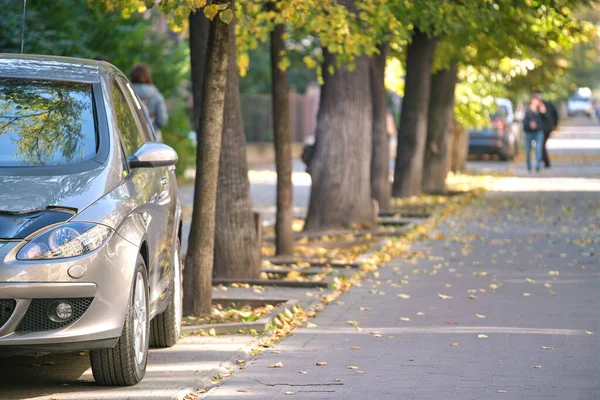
x: 355, y: 348
x: 311, y: 325
x: 290, y: 393
x: 547, y: 348
x: 321, y: 364
x: 212, y: 332
x: 351, y: 367
x: 405, y: 319
x: 482, y: 336
x: 451, y: 323
x: 526, y: 294
x: 403, y: 296
x: 480, y: 316
x: 548, y: 284
x: 501, y: 391
x: 364, y: 309
x: 277, y: 365
x: 589, y: 332
x: 472, y: 297
x: 337, y: 380
x: 420, y: 313
x: 493, y: 286
x: 537, y: 366
x: 454, y: 344
x: 554, y: 273
x: 444, y: 297
x: 303, y: 372
x: 240, y: 362
x: 528, y: 280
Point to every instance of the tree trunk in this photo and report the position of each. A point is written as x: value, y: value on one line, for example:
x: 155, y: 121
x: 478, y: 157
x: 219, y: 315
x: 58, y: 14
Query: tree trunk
x: 460, y: 147
x: 199, y: 260
x: 236, y: 245
x: 341, y: 165
x: 284, y: 235
x: 408, y: 174
x: 441, y: 114
x: 380, y: 159
x: 199, y: 28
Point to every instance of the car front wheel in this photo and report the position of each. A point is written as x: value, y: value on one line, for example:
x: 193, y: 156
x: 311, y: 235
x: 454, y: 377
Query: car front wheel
x: 165, y: 328
x: 125, y: 364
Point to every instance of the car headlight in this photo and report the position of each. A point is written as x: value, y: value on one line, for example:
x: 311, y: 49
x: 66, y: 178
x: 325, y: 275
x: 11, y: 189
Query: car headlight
x: 63, y: 241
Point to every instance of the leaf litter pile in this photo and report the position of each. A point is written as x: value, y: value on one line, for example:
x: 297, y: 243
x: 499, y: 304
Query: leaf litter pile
x: 231, y: 313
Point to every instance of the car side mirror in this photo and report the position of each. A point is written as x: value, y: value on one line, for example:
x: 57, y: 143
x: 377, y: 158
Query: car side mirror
x: 152, y: 155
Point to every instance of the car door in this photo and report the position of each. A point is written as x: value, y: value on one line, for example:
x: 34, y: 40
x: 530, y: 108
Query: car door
x: 147, y: 190
x: 169, y: 195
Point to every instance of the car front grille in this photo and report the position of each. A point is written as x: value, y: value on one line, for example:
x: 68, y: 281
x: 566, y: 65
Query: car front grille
x: 7, y: 307
x: 36, y: 319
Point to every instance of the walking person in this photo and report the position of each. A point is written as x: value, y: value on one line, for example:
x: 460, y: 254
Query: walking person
x: 533, y: 125
x: 141, y: 78
x: 550, y: 124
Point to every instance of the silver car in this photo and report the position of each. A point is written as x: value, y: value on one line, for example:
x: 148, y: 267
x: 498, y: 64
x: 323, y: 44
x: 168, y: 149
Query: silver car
x: 90, y: 221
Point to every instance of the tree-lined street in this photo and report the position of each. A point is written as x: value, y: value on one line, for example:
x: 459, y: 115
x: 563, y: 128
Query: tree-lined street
x: 519, y: 266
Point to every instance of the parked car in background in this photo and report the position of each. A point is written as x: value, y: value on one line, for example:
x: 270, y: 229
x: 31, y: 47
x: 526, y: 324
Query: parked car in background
x: 580, y: 105
x: 89, y: 218
x: 500, y: 137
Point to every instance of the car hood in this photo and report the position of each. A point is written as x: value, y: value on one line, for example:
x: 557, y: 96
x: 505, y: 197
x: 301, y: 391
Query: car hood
x: 24, y: 193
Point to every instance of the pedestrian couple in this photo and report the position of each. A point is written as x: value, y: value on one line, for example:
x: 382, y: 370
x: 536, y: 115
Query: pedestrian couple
x: 540, y: 120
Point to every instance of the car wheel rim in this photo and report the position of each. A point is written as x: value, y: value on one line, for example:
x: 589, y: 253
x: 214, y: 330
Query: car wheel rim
x: 178, y: 293
x: 140, y: 319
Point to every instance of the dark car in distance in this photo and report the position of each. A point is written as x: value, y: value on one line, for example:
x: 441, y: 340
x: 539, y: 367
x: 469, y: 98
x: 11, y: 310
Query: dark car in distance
x: 497, y: 138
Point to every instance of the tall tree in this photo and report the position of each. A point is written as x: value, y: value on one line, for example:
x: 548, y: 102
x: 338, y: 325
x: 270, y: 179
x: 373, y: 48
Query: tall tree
x: 441, y: 114
x: 197, y: 299
x: 340, y: 169
x: 236, y: 243
x: 284, y: 235
x: 412, y: 133
x: 380, y: 159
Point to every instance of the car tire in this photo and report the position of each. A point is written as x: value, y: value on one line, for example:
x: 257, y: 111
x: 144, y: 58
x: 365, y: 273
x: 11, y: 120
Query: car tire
x: 125, y: 364
x: 165, y: 328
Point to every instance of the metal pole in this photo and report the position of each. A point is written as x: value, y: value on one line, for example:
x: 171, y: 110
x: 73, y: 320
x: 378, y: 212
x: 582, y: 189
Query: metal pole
x: 23, y: 26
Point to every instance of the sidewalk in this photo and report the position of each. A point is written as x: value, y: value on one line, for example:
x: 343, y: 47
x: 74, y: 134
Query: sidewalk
x: 521, y: 272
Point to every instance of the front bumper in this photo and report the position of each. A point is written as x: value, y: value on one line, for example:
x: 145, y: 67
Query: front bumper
x: 100, y: 298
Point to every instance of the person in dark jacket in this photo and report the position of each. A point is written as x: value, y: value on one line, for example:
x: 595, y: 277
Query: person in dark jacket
x: 150, y: 96
x: 533, y: 125
x: 551, y: 123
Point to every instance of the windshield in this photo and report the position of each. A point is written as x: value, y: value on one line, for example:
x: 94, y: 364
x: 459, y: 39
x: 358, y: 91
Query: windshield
x: 45, y: 123
x: 582, y: 100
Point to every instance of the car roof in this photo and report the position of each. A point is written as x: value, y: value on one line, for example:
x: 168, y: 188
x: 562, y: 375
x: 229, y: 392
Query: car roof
x: 54, y: 68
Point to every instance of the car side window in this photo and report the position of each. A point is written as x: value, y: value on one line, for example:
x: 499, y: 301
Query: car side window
x: 128, y: 128
x: 141, y: 111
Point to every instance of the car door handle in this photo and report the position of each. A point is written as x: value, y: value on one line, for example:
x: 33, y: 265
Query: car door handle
x: 164, y: 181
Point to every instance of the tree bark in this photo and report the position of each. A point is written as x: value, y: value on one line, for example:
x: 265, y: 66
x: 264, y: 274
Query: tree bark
x: 199, y: 30
x: 197, y: 298
x: 236, y: 245
x: 408, y: 174
x: 380, y: 159
x: 341, y: 165
x: 284, y: 235
x: 441, y: 114
x: 460, y: 147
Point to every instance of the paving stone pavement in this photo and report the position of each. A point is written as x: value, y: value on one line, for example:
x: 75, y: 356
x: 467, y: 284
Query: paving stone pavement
x: 521, y: 268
